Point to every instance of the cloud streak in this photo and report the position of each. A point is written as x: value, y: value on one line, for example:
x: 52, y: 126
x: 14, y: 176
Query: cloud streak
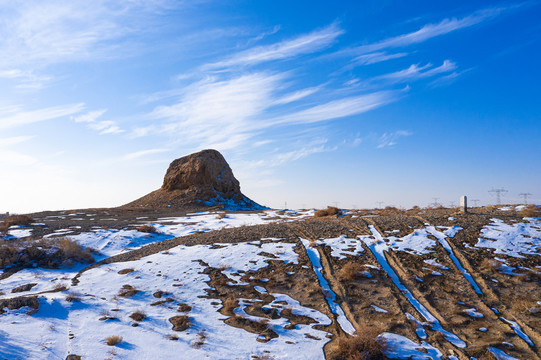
x: 21, y: 118
x: 429, y: 31
x: 304, y: 44
x: 415, y: 72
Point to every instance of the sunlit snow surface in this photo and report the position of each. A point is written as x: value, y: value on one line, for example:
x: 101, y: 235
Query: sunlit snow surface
x: 48, y: 328
x: 514, y: 240
x: 61, y: 327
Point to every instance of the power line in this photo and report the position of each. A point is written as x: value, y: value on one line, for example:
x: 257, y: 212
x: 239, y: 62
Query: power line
x: 498, y: 193
x: 525, y: 196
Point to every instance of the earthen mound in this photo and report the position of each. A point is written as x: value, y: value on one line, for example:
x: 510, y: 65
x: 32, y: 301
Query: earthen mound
x: 200, y: 179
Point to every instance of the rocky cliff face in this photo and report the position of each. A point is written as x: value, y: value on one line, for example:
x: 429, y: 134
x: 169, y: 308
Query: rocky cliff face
x: 200, y: 179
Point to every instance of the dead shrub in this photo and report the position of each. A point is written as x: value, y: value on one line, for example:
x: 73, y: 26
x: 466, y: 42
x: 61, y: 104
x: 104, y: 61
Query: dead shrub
x: 180, y: 322
x: 139, y: 315
x: 23, y: 288
x: 19, y: 302
x: 125, y: 271
x: 46, y: 253
x: 127, y: 291
x: 365, y: 345
x: 161, y: 302
x: 73, y: 297
x: 158, y: 294
x: 147, y: 228
x: 391, y: 211
x: 350, y: 271
x: 184, y: 307
x: 531, y: 211
x: 230, y: 304
x: 490, y: 264
x: 113, y: 340
x: 329, y: 211
x: 171, y: 337
x: 200, y: 341
x: 71, y: 250
x: 221, y: 215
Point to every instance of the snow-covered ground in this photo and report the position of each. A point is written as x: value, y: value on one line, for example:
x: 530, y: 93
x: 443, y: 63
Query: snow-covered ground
x: 63, y: 327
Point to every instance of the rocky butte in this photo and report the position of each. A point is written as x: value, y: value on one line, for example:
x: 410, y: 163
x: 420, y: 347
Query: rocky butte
x: 200, y: 179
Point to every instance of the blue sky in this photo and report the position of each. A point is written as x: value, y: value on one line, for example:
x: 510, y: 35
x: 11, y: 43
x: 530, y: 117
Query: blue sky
x: 311, y: 103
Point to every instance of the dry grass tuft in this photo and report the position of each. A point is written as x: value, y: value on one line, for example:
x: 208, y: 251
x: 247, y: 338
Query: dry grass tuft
x: 113, y: 340
x: 125, y: 271
x: 46, y: 253
x: 230, y: 304
x: 222, y: 215
x: 531, y: 211
x: 364, y: 346
x: 184, y: 307
x: 139, y: 315
x: 73, y: 297
x: 200, y: 341
x: 329, y: 211
x: 127, y: 291
x: 147, y: 229
x: 180, y: 322
x: 351, y: 271
x: 392, y: 211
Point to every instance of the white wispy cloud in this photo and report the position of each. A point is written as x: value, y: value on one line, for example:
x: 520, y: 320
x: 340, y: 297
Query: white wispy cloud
x: 430, y: 31
x: 340, y: 108
x: 218, y: 111
x: 56, y: 31
x: 89, y: 117
x: 227, y: 113
x: 21, y: 118
x: 418, y: 72
x: 142, y: 153
x: 103, y: 126
x: 304, y: 44
x: 390, y: 139
x: 10, y: 141
x: 376, y: 57
x: 297, y: 95
x: 316, y: 146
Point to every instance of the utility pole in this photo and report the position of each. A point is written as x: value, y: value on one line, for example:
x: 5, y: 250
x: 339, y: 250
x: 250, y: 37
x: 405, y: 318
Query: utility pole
x: 475, y: 202
x: 435, y: 203
x: 498, y: 193
x: 452, y: 204
x: 380, y: 204
x: 525, y: 196
x: 336, y: 204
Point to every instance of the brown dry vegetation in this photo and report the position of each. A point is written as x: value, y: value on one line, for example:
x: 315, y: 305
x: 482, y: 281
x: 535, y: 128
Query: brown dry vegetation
x: 147, y: 229
x: 113, y: 340
x: 329, y: 211
x: 14, y: 220
x: 531, y: 211
x: 47, y: 253
x: 350, y: 271
x: 127, y: 291
x: 138, y: 315
x: 180, y: 322
x: 365, y: 345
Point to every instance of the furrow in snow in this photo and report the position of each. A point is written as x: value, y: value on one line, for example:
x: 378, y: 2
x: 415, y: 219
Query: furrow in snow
x: 443, y: 242
x: 378, y: 248
x: 341, y: 317
x: 518, y: 330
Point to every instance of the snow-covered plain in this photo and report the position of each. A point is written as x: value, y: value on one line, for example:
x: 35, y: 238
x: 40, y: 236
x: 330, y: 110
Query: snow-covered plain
x: 63, y: 327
